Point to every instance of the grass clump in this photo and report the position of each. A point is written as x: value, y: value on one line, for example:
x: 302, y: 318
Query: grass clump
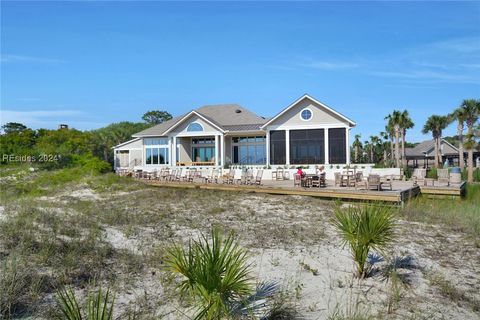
x: 99, y: 306
x: 215, y: 273
x: 363, y: 228
x: 461, y: 215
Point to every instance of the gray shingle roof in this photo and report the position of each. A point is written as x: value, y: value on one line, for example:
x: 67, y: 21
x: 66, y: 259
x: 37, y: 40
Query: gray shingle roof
x: 158, y: 129
x: 244, y: 127
x: 427, y: 148
x: 231, y: 117
x: 228, y: 114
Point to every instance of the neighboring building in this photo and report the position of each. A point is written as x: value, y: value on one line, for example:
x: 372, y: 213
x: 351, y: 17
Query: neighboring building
x: 304, y: 133
x: 423, y: 154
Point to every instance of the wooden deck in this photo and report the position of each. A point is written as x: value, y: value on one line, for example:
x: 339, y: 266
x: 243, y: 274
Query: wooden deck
x: 443, y: 191
x: 401, y: 192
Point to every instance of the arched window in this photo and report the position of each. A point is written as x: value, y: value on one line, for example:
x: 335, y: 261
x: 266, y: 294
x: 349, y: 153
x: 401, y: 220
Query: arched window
x: 194, y: 126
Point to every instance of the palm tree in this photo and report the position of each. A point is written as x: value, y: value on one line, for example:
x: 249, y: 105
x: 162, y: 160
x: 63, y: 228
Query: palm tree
x: 357, y: 144
x: 374, y: 141
x: 436, y: 124
x: 405, y: 123
x: 395, y: 120
x: 366, y: 148
x: 385, y: 136
x: 459, y: 115
x: 471, y: 109
x: 391, y: 134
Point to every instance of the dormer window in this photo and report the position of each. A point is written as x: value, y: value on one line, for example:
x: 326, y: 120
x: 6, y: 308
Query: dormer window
x: 194, y: 127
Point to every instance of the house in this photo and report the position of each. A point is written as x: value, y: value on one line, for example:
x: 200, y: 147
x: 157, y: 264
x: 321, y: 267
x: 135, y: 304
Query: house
x: 304, y: 133
x: 424, y: 152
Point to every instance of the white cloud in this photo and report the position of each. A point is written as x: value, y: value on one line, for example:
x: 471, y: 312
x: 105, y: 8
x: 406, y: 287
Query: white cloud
x: 329, y: 65
x: 49, y: 119
x: 21, y: 58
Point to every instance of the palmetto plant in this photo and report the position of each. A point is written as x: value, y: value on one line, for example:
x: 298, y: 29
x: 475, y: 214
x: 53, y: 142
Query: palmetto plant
x: 98, y: 306
x: 363, y: 228
x: 215, y: 273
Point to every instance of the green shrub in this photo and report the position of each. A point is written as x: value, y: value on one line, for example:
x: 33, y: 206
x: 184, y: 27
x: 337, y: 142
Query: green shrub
x: 91, y: 163
x: 432, y: 173
x: 363, y: 228
x: 215, y: 274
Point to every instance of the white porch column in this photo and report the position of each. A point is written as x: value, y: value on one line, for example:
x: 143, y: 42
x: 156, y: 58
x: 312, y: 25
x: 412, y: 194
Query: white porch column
x: 347, y: 139
x: 170, y: 151
x: 222, y: 151
x: 326, y: 146
x: 216, y: 151
x: 174, y: 151
x: 287, y: 146
x: 267, y: 147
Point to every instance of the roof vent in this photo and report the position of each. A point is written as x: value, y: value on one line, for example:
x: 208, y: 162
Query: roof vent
x: 238, y: 111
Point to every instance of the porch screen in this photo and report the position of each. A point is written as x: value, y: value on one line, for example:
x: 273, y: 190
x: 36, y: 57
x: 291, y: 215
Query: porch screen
x: 337, y: 148
x: 277, y: 147
x: 307, y: 146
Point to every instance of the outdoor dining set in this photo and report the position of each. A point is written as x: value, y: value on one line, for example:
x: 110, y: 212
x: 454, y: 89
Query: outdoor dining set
x: 192, y: 175
x: 347, y: 178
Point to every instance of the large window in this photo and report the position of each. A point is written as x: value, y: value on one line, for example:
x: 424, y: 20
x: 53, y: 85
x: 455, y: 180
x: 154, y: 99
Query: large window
x: 203, y: 149
x: 277, y: 147
x: 337, y: 148
x: 249, y: 150
x: 307, y: 146
x: 156, y: 151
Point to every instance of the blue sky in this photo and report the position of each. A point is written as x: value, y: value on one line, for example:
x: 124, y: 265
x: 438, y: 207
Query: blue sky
x: 92, y: 63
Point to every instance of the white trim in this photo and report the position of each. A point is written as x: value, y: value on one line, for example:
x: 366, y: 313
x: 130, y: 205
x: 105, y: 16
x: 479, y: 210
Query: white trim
x: 325, y: 144
x: 197, y: 134
x: 195, y: 122
x: 188, y: 115
x: 311, y: 114
x: 267, y: 147
x: 222, y: 157
x: 347, y: 140
x: 311, y: 99
x: 124, y: 148
x: 308, y: 126
x: 216, y: 150
x: 287, y: 147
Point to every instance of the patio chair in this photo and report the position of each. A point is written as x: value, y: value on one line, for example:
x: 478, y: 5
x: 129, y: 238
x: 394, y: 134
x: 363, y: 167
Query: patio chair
x: 297, y: 180
x: 360, y: 180
x: 258, y: 178
x: 316, y: 181
x: 386, y: 181
x: 443, y: 176
x: 286, y: 175
x: 338, y: 179
x: 212, y: 177
x: 419, y: 176
x: 279, y: 174
x: 229, y: 178
x: 178, y: 175
x: 373, y: 181
x: 138, y: 174
x: 164, y: 175
x: 322, y: 179
x: 172, y: 175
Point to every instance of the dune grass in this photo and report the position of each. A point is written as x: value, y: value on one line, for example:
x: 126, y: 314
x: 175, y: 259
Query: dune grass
x: 461, y: 215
